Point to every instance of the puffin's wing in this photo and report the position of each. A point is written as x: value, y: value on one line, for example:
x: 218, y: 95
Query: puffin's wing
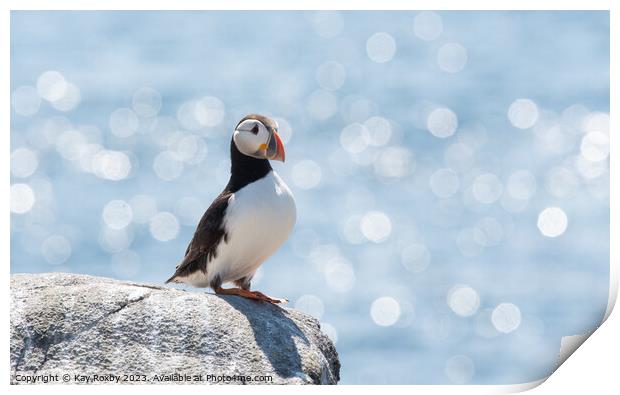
x: 209, y: 234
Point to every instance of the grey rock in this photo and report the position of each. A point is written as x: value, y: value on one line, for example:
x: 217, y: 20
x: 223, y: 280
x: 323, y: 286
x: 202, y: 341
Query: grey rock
x: 82, y: 325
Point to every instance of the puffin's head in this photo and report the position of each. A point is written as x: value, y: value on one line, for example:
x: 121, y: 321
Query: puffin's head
x: 257, y: 136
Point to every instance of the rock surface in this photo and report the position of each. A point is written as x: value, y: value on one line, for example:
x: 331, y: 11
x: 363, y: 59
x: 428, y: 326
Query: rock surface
x: 81, y: 325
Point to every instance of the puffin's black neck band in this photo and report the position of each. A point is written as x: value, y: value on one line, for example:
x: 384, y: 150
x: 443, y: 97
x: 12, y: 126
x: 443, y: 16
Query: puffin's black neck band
x: 245, y: 169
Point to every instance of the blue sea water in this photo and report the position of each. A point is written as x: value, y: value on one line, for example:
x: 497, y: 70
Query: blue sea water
x: 450, y: 169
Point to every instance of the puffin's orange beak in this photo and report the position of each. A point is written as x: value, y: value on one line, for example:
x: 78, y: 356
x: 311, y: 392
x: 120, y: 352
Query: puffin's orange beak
x: 279, y: 148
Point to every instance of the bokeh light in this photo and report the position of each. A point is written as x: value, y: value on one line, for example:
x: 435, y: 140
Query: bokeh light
x: 22, y: 198
x: 355, y: 108
x: 376, y: 226
x: 70, y: 144
x: 381, y: 47
x: 463, y: 300
x: 115, y: 240
x: 111, y: 165
x: 51, y: 86
x: 310, y: 304
x: 354, y: 138
x: 189, y: 210
x: 186, y: 116
x: 146, y: 102
x: 492, y: 230
x: 330, y: 331
x: 164, y: 226
x: 306, y: 174
x: 327, y: 24
x: 339, y: 275
x: 471, y: 241
x: 552, y: 137
x: 552, y: 222
x: 117, y: 214
x: 70, y: 100
x: 442, y: 122
x: 523, y: 113
x: 590, y: 170
x: 561, y: 182
x: 24, y: 162
x: 379, y: 131
x: 190, y: 149
x: 427, y: 25
x: 143, y: 208
x: 452, y: 57
x: 210, y: 111
x: 331, y: 75
x: 506, y: 317
x: 596, y: 122
x: 167, y: 166
x: 394, y: 162
x: 56, y: 249
x: 25, y: 101
x: 284, y: 129
x: 487, y: 188
x: 385, y: 311
x: 123, y: 122
x: 595, y: 146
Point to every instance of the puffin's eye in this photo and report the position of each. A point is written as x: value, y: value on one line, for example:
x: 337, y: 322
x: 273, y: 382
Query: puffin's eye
x: 254, y: 129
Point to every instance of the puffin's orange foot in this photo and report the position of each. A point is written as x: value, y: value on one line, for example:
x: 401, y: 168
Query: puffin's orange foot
x: 269, y: 298
x: 249, y: 294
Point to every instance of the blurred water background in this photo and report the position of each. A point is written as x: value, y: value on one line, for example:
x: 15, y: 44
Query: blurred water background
x: 450, y: 169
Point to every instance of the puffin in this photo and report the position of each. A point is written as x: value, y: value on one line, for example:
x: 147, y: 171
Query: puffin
x: 248, y: 221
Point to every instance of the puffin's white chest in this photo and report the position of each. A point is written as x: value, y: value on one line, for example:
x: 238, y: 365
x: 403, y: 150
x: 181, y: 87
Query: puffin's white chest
x: 258, y: 220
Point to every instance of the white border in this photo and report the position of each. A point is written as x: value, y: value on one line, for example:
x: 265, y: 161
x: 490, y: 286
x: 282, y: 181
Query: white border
x: 577, y: 374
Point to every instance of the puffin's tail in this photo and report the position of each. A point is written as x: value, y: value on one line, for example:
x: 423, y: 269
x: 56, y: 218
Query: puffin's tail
x: 173, y: 279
